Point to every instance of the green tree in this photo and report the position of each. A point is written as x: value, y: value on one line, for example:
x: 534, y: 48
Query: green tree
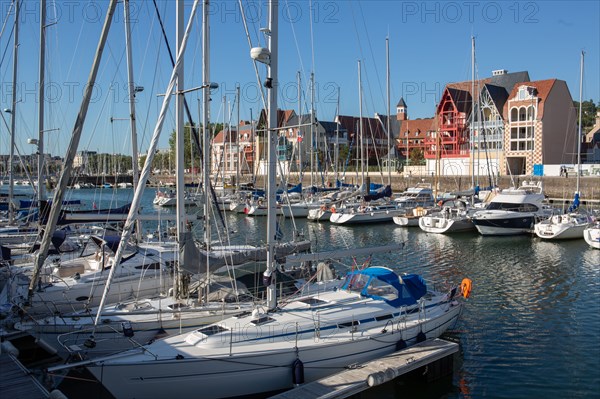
x: 416, y: 156
x: 588, y: 114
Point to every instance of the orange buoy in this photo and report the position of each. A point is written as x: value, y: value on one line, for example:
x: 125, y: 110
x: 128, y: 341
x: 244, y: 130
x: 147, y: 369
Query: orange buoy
x: 465, y: 287
x: 333, y: 209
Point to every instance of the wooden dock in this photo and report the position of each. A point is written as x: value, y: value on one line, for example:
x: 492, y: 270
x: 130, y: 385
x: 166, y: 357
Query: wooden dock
x: 17, y: 382
x: 352, y: 381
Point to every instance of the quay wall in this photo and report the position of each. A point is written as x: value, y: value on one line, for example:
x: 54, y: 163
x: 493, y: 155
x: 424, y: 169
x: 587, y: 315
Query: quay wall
x: 555, y: 187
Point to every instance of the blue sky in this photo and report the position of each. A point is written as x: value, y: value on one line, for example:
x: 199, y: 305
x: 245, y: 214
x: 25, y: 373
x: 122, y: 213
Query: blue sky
x: 429, y: 43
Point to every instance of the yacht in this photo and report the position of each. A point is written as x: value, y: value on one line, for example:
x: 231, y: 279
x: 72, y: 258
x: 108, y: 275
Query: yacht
x: 513, y: 211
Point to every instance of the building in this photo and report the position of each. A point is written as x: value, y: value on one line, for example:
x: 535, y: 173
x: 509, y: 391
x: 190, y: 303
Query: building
x: 541, y: 127
x: 233, y: 153
x: 412, y: 133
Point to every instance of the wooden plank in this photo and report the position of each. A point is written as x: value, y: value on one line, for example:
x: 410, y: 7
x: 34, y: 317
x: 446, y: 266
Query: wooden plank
x: 17, y: 382
x: 352, y: 381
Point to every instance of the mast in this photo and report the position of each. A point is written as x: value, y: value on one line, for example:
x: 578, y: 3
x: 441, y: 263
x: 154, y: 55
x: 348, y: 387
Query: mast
x: 299, y: 129
x: 471, y: 138
x: 11, y: 210
x: 313, y: 142
x: 206, y: 131
x: 579, y: 129
x: 389, y: 157
x: 179, y: 136
x: 146, y: 170
x: 42, y: 83
x: 237, y: 140
x: 70, y: 156
x: 272, y: 87
x: 132, y: 91
x: 337, y: 140
x: 360, y: 130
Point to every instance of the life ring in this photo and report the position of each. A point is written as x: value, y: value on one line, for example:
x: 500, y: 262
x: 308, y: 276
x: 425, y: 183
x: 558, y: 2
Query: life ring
x: 440, y: 202
x: 332, y: 209
x: 465, y: 287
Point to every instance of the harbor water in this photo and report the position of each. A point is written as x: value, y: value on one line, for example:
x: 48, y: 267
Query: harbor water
x: 530, y: 329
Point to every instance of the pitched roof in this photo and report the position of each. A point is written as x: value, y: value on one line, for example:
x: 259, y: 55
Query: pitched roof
x: 543, y: 88
x: 401, y: 103
x: 226, y: 135
x: 422, y: 126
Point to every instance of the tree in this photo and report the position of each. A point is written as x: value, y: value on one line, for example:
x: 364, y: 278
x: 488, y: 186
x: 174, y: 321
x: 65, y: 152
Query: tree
x: 416, y: 156
x: 588, y: 114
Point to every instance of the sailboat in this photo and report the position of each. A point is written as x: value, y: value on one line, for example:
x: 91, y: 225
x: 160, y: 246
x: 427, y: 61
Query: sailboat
x: 375, y: 311
x: 572, y: 224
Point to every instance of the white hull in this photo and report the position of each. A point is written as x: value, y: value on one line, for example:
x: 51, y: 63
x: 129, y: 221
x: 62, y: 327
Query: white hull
x: 443, y: 225
x: 562, y: 227
x: 407, y: 221
x: 592, y: 236
x: 319, y: 215
x: 149, y: 320
x: 363, y: 217
x: 372, y: 314
x: 262, y: 371
x: 299, y: 210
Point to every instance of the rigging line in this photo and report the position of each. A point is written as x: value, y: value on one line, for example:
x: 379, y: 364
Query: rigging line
x: 262, y: 93
x: 295, y: 39
x: 312, y: 37
x: 8, y: 45
x: 8, y: 13
x: 372, y: 57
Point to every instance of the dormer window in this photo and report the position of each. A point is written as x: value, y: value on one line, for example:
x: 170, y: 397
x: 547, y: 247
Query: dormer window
x: 526, y: 93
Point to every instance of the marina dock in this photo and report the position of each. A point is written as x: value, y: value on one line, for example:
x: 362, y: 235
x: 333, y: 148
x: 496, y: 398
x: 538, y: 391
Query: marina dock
x: 17, y: 382
x: 357, y: 379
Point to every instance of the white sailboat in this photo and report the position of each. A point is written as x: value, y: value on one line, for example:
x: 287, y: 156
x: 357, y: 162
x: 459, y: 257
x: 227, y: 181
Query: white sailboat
x: 375, y: 312
x: 572, y: 224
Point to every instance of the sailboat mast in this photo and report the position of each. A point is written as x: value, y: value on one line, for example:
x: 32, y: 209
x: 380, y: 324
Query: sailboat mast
x: 13, y: 119
x: 137, y: 197
x: 132, y: 91
x: 70, y: 156
x: 237, y: 140
x: 472, y: 139
x: 360, y: 131
x: 578, y: 143
x: 299, y: 142
x: 389, y: 136
x: 272, y: 133
x: 313, y: 142
x: 40, y: 145
x: 205, y: 121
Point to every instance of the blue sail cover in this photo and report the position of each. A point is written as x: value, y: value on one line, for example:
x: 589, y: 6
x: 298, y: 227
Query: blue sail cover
x: 575, y: 203
x: 385, y: 192
x: 410, y: 287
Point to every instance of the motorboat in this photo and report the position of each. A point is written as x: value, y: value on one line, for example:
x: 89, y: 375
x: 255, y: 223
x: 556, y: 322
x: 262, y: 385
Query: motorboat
x: 453, y: 217
x: 513, y: 211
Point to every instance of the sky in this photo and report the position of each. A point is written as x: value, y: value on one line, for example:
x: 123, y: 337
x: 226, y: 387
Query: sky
x: 429, y: 46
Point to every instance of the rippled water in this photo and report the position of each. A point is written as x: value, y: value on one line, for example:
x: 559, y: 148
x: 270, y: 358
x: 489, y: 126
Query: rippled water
x: 531, y: 328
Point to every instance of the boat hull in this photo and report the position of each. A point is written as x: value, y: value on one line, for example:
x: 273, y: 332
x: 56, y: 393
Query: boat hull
x: 264, y: 370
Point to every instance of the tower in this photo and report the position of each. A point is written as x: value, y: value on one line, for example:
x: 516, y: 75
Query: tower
x: 401, y: 112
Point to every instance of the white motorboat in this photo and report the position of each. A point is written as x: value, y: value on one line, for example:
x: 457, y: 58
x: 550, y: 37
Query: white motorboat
x: 513, y: 211
x: 591, y: 234
x: 411, y: 218
x: 454, y: 217
x: 374, y: 312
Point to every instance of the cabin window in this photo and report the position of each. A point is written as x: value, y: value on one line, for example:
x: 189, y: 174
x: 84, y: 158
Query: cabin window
x: 212, y: 330
x: 382, y: 289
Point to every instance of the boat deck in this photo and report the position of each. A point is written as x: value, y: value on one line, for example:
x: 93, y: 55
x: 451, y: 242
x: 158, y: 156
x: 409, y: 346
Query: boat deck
x: 357, y: 379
